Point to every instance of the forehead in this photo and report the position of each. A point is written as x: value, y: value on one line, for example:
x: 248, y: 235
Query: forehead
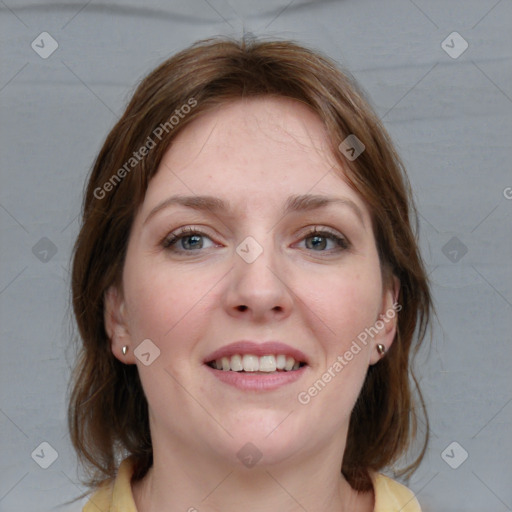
x: 286, y: 127
x: 253, y: 150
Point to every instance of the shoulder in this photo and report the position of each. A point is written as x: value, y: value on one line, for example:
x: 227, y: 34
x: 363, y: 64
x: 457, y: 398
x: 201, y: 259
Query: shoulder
x: 391, y: 496
x: 101, y: 500
x: 114, y: 495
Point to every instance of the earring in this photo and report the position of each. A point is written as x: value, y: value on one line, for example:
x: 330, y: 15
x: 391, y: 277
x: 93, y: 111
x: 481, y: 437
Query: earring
x: 124, y: 349
x: 381, y: 349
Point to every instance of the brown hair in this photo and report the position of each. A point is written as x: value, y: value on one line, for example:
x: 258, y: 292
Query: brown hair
x: 108, y: 412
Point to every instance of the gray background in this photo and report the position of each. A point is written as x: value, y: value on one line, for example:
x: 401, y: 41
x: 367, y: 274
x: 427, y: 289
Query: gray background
x: 451, y: 120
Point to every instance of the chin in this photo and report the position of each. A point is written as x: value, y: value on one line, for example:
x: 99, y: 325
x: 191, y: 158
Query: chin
x: 263, y: 439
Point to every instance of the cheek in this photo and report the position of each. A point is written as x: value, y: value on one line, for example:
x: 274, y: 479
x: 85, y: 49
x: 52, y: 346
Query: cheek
x: 346, y: 302
x: 165, y: 301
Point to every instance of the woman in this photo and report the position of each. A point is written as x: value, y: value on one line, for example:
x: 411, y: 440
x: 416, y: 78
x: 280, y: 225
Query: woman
x: 249, y: 292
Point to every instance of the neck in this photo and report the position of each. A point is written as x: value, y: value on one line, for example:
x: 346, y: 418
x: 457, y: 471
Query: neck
x: 205, y: 484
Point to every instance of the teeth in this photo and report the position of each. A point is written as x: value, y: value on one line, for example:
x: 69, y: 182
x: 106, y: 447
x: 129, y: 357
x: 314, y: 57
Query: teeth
x: 251, y: 363
x: 236, y: 363
x: 289, y: 363
x: 267, y: 364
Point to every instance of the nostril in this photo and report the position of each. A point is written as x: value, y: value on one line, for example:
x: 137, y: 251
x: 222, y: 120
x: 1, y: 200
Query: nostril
x: 242, y: 308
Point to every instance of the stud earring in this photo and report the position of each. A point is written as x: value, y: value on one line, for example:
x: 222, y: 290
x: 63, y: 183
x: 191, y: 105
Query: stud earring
x: 381, y: 349
x: 124, y: 349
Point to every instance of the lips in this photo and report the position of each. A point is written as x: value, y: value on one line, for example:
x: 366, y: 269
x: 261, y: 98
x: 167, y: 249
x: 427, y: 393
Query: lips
x: 244, y: 347
x: 268, y: 377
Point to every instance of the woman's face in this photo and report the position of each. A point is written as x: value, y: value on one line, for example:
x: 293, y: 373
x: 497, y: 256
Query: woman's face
x: 198, y: 278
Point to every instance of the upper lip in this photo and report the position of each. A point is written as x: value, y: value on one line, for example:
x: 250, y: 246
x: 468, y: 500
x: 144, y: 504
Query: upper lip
x: 257, y: 349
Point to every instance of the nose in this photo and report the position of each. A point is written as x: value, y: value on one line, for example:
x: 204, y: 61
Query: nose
x: 259, y: 289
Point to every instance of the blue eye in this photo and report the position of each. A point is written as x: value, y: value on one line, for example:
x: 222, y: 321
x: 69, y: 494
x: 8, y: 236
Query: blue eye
x: 320, y: 238
x: 189, y: 238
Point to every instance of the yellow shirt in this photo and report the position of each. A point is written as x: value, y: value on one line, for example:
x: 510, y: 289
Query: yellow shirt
x: 390, y: 496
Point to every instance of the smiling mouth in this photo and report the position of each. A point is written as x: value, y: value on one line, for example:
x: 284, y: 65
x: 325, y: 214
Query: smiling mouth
x: 249, y: 363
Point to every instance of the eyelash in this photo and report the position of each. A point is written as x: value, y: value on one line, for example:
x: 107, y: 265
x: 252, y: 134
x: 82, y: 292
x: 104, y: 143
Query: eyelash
x: 173, y: 238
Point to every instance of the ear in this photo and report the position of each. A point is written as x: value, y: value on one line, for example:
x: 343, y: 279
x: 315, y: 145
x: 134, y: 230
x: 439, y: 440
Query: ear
x: 386, y: 323
x: 114, y: 316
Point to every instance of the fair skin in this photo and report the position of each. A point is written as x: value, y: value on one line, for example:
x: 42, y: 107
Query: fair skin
x: 308, y: 292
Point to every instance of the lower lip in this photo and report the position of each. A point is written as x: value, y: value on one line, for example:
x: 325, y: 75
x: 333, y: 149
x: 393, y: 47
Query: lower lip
x: 257, y: 381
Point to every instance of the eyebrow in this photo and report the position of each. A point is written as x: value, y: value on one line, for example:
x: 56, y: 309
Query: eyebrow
x: 295, y: 203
